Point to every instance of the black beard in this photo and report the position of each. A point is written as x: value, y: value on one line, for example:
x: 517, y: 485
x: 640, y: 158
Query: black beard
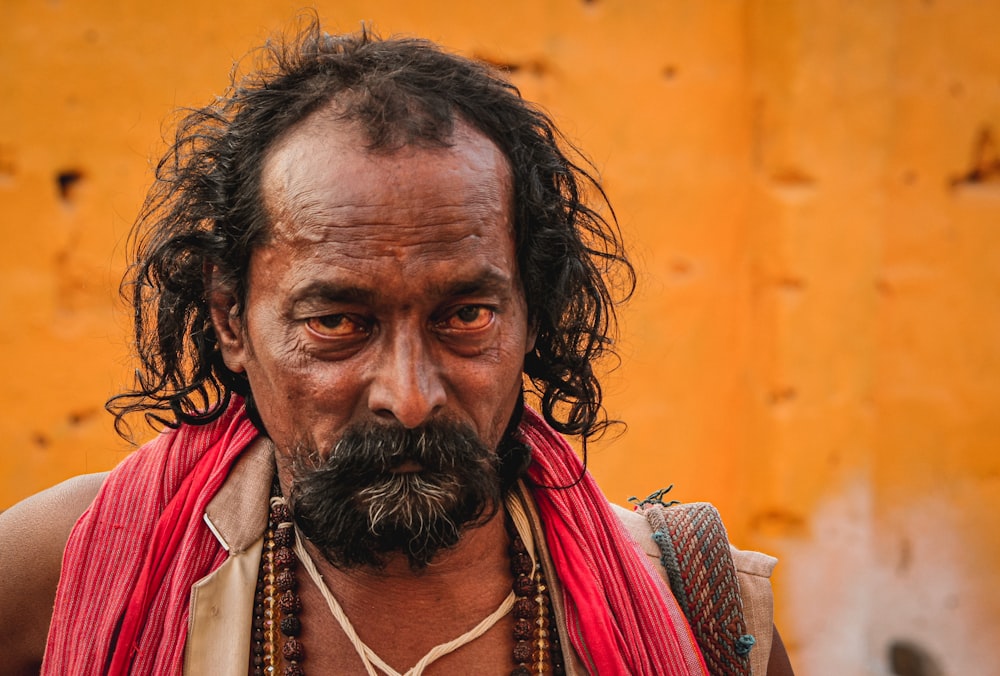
x: 356, y: 510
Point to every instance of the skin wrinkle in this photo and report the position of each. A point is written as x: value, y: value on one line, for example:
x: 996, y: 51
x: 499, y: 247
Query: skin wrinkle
x: 312, y: 230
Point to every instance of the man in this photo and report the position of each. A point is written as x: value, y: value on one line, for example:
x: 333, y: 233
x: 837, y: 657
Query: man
x: 348, y: 271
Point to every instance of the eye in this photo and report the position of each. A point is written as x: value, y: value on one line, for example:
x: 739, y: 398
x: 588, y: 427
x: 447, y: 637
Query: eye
x: 337, y: 326
x: 469, y: 318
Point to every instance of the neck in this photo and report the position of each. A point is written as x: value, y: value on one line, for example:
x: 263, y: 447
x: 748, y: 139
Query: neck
x: 431, y: 606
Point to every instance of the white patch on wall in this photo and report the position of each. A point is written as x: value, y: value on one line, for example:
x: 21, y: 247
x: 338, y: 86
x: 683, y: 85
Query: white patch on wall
x: 896, y: 593
x: 826, y: 601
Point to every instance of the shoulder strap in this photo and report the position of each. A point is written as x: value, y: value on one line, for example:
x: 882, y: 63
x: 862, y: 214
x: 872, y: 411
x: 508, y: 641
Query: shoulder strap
x: 694, y: 550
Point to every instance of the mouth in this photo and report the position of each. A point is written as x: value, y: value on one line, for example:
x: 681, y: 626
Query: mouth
x: 407, y: 467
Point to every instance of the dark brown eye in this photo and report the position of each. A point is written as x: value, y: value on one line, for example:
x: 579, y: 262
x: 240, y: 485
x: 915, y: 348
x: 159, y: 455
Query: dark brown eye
x: 470, y: 318
x: 336, y: 326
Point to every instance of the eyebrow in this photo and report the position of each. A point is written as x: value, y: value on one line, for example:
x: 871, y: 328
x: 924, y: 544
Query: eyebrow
x: 489, y: 281
x: 332, y: 292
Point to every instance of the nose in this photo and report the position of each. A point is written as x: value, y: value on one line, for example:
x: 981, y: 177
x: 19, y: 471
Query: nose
x: 407, y: 385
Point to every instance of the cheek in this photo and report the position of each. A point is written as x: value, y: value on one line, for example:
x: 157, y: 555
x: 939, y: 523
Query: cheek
x: 298, y: 413
x: 498, y: 392
x: 276, y: 349
x: 292, y: 396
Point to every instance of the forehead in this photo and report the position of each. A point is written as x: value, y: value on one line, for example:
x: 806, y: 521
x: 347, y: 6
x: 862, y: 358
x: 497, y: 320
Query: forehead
x: 321, y: 170
x: 337, y: 209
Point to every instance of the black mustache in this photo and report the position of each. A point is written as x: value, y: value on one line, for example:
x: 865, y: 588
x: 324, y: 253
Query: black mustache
x: 377, y: 448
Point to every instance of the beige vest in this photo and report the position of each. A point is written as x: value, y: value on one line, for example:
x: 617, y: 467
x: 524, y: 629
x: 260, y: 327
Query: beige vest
x: 218, y: 641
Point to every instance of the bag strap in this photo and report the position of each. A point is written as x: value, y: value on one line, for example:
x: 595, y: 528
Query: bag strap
x: 694, y: 551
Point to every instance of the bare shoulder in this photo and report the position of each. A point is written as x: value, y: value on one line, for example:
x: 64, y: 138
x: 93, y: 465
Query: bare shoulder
x: 35, y: 532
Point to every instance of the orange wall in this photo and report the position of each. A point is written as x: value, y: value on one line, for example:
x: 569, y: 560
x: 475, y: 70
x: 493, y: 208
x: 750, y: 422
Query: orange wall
x: 813, y: 199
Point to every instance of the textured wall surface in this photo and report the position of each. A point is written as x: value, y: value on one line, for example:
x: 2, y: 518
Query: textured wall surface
x: 812, y: 193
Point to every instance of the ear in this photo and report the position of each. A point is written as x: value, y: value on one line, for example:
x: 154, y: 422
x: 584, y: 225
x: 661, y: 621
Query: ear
x: 226, y: 319
x: 530, y: 336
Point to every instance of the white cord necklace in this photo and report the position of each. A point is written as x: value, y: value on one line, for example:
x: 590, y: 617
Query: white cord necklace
x: 368, y: 656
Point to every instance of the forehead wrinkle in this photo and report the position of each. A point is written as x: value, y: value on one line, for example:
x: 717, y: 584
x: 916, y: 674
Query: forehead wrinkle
x: 304, y: 211
x: 302, y: 218
x: 303, y: 208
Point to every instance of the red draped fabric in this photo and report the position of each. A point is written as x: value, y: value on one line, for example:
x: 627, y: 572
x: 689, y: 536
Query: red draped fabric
x: 122, y: 602
x: 621, y: 617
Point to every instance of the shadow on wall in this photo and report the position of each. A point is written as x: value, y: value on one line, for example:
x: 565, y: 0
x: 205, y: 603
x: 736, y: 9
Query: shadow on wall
x: 909, y: 659
x: 985, y: 160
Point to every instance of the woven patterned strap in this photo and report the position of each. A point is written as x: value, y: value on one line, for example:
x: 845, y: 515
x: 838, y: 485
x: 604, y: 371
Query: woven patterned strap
x: 695, y: 552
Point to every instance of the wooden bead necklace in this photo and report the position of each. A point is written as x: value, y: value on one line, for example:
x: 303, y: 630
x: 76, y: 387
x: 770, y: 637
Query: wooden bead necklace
x: 537, y: 648
x: 276, y: 601
x: 536, y: 642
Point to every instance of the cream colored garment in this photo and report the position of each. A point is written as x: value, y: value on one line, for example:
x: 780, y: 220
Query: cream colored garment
x: 222, y: 603
x: 221, y: 614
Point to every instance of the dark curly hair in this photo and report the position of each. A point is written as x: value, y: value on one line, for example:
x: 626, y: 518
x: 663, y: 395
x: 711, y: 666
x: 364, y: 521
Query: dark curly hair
x: 205, y: 209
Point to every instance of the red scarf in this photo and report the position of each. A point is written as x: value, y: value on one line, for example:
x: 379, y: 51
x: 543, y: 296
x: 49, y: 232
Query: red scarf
x: 133, y: 556
x: 621, y: 617
x: 128, y: 569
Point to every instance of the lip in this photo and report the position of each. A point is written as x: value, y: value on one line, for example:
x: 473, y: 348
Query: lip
x: 407, y: 467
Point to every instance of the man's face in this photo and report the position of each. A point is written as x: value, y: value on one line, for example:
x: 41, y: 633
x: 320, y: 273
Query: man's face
x: 386, y: 293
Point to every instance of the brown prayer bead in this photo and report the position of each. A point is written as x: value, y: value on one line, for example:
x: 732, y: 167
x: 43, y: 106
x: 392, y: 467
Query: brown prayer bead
x: 284, y: 537
x: 292, y: 650
x: 522, y: 630
x: 523, y: 586
x: 289, y: 602
x: 291, y: 626
x: 281, y: 514
x: 284, y: 557
x: 285, y: 580
x: 525, y: 609
x: 521, y: 563
x: 522, y: 651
